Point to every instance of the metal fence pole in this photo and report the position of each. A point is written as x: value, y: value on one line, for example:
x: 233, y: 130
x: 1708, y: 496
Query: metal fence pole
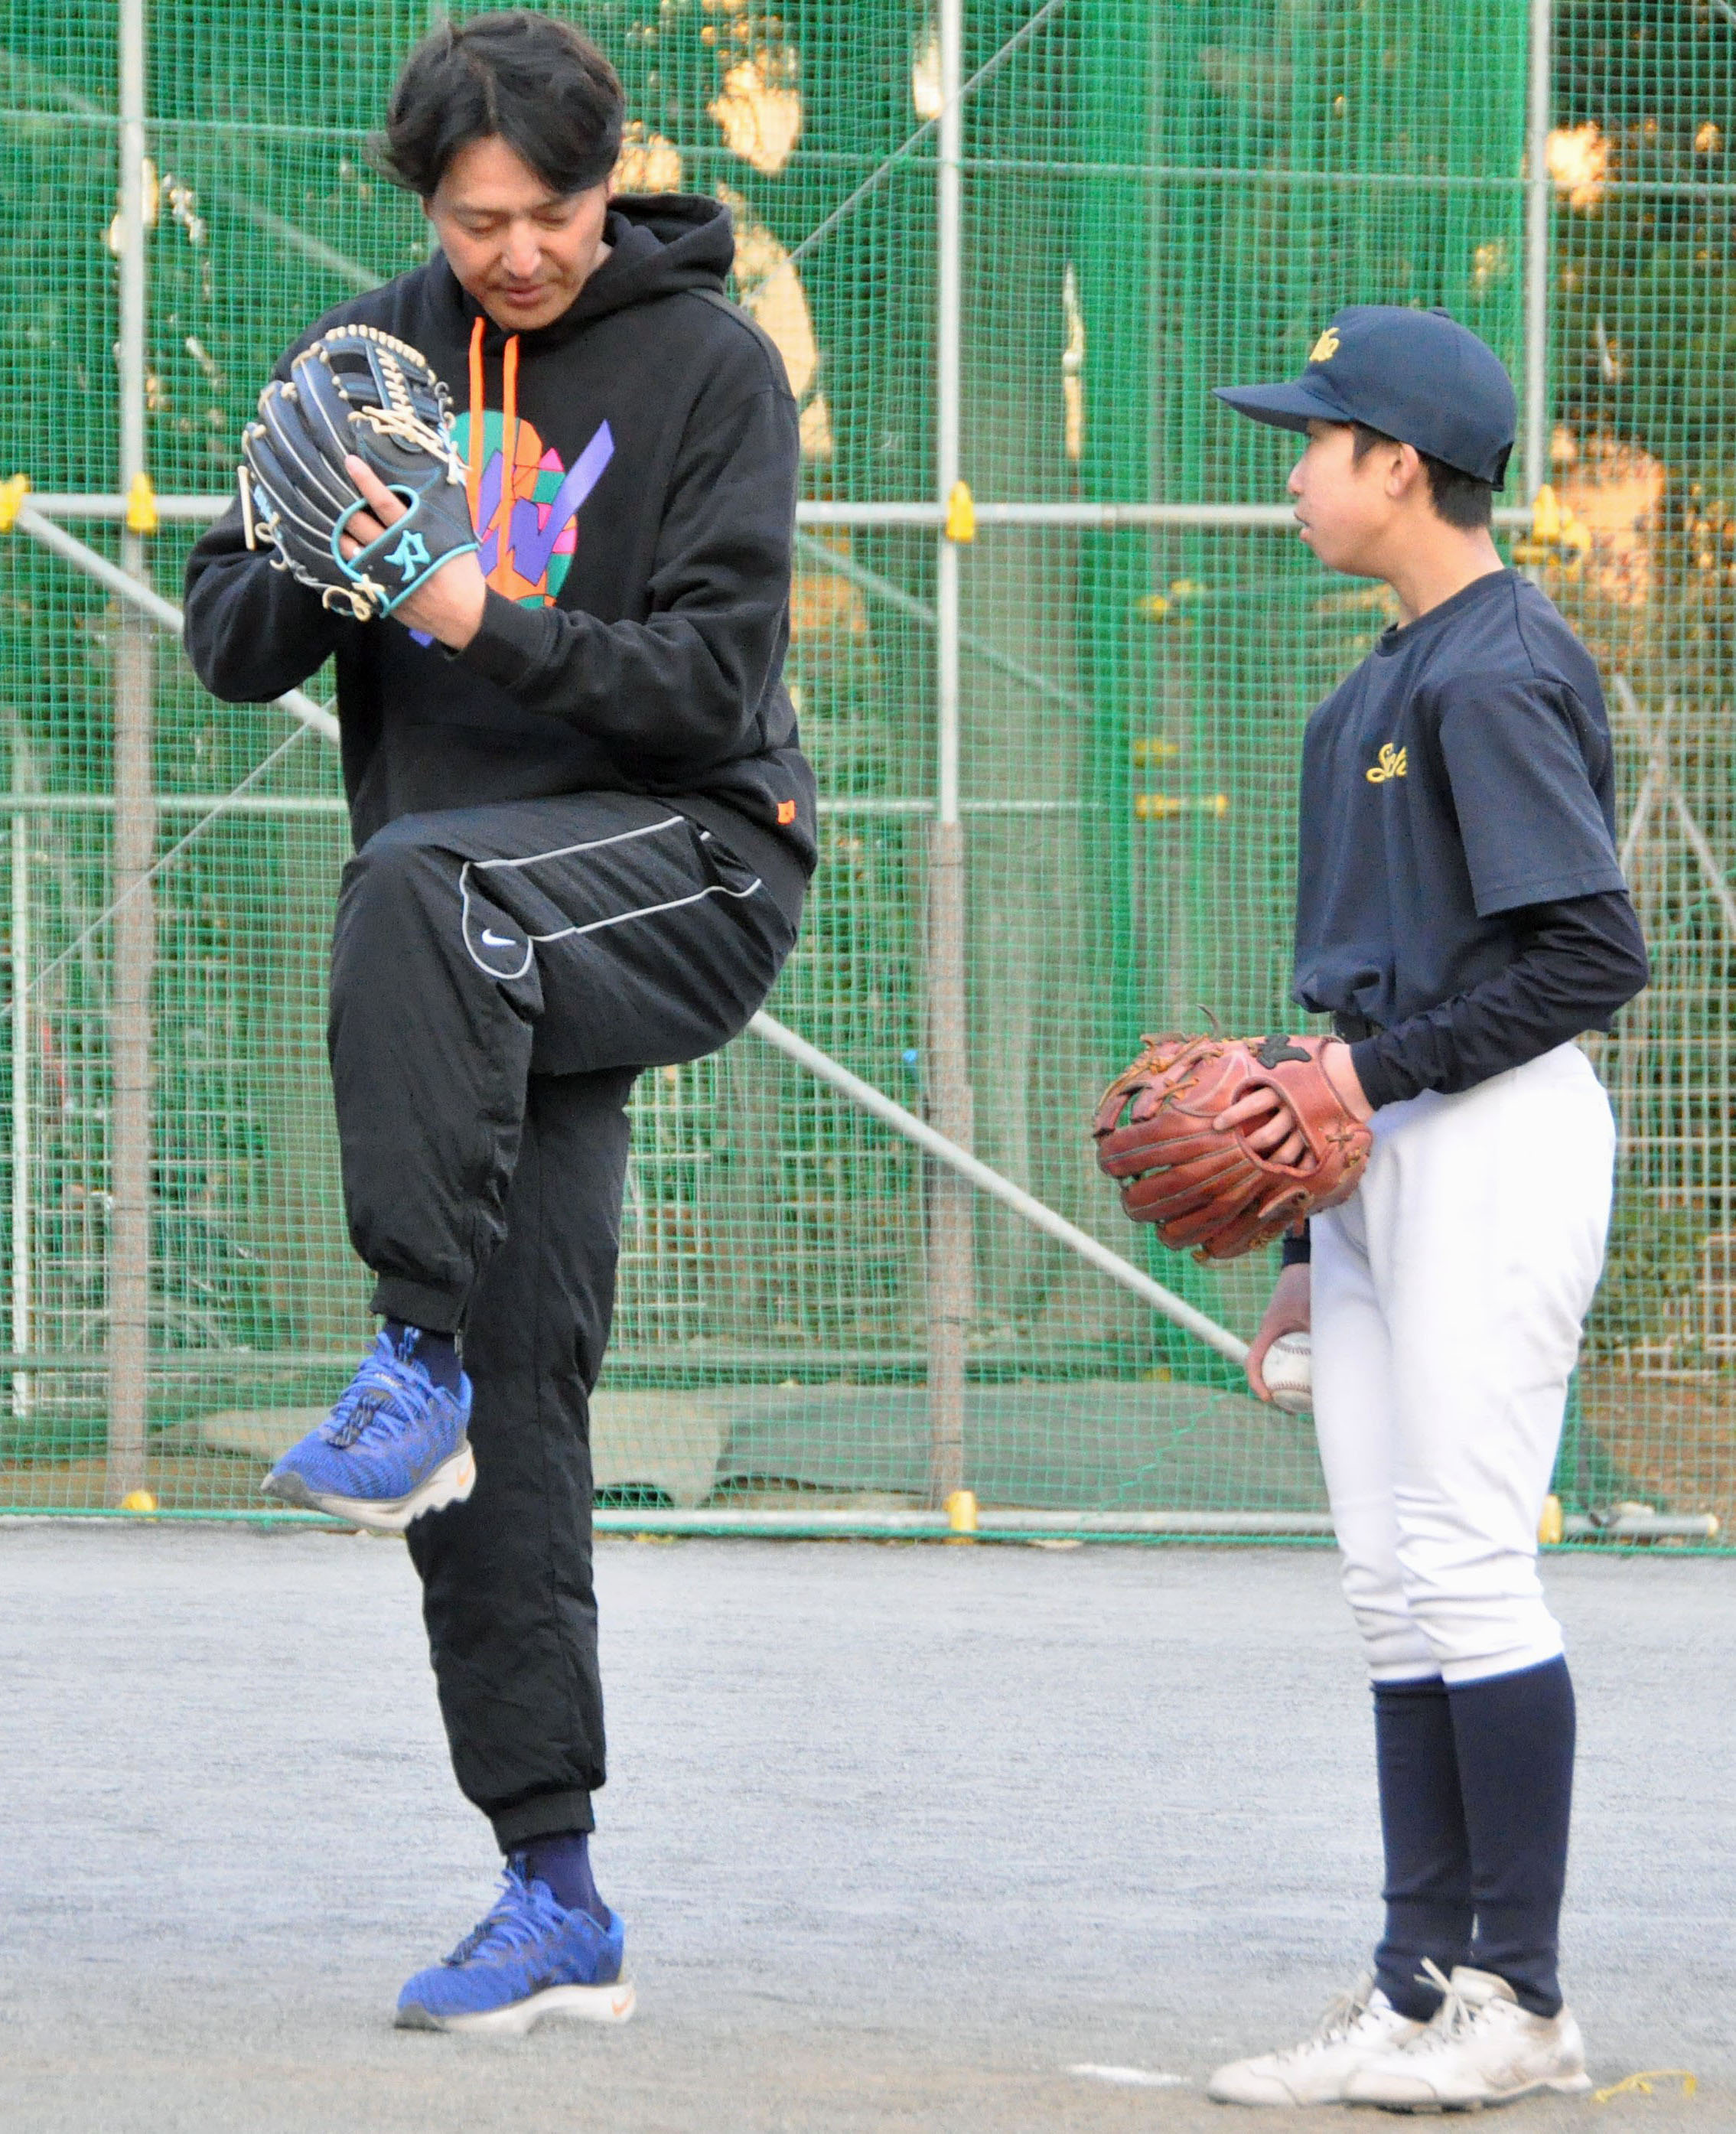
x: 135, y: 836
x: 20, y: 1315
x: 1098, y: 518
x: 1534, y: 466
x: 951, y: 1269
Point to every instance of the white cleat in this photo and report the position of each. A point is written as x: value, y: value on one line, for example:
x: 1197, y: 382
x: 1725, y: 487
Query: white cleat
x: 1360, y: 2026
x: 1482, y: 2048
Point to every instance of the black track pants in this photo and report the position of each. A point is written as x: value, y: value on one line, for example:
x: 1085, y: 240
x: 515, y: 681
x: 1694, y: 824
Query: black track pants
x: 499, y: 977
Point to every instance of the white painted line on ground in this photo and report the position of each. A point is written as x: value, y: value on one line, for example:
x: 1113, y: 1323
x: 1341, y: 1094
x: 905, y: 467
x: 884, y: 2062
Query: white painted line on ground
x: 1130, y: 2078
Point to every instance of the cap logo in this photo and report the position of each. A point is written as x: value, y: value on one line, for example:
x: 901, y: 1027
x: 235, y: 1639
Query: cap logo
x: 1326, y: 348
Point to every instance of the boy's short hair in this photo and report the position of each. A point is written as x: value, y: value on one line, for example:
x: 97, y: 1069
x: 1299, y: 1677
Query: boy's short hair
x: 541, y: 85
x: 1459, y: 499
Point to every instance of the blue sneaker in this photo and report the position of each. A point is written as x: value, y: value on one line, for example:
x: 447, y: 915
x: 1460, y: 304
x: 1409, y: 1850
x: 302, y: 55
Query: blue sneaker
x: 392, y: 1448
x: 528, y: 1958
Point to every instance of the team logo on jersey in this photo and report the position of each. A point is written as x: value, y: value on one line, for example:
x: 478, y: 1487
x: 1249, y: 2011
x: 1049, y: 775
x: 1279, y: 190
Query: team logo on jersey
x: 1390, y: 764
x: 1326, y: 348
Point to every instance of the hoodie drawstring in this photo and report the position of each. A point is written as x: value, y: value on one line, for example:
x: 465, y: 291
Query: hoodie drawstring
x: 472, y: 472
x: 509, y: 450
x: 499, y: 576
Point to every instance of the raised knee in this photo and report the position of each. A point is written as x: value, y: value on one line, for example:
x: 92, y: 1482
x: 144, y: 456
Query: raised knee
x: 397, y: 863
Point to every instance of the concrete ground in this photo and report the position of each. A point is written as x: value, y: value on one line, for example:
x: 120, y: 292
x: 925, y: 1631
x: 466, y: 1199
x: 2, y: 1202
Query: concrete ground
x: 906, y: 1837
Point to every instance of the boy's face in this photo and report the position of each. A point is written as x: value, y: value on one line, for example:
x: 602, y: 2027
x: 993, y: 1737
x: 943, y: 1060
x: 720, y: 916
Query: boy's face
x: 1345, y: 505
x: 522, y: 251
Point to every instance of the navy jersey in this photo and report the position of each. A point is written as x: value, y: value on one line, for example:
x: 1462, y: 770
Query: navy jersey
x: 1462, y: 772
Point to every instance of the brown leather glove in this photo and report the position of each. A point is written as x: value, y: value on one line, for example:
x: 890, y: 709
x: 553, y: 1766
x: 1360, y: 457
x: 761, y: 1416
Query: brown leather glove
x: 1213, y: 1191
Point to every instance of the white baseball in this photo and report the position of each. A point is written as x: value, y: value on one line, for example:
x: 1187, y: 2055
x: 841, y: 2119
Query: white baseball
x: 1288, y: 1374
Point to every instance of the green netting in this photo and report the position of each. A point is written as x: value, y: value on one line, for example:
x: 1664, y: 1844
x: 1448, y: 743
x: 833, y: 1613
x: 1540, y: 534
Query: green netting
x: 1155, y: 201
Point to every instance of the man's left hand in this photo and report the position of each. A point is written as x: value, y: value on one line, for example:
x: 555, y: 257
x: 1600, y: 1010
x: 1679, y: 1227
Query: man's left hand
x: 448, y: 606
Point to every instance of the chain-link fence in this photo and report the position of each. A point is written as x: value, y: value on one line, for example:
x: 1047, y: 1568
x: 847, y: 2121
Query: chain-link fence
x: 1006, y: 245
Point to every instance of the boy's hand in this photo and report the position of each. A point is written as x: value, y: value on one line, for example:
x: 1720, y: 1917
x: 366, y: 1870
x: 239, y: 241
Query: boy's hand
x: 1288, y: 1312
x: 1279, y: 1139
x: 1224, y: 1143
x: 1339, y: 1068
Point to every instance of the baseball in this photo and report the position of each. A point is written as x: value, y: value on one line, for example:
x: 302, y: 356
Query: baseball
x: 1288, y: 1374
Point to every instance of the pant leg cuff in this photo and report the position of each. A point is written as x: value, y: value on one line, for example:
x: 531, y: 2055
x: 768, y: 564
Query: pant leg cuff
x: 395, y: 1296
x: 547, y: 1816
x: 1544, y: 1651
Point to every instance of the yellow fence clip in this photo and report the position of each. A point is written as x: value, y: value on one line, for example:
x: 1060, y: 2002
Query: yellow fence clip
x: 962, y: 1511
x: 12, y: 494
x: 1551, y: 1527
x: 1555, y: 526
x: 961, y: 514
x: 141, y: 506
x: 1164, y: 807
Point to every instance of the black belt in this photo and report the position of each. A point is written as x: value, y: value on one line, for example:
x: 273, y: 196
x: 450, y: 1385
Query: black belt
x: 1354, y: 1028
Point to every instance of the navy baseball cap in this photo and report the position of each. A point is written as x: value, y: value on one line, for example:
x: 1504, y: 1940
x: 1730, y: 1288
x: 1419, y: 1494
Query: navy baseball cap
x: 1418, y: 376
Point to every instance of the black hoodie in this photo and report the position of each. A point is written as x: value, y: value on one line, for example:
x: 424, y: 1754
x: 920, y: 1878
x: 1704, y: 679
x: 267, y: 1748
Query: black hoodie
x: 635, y: 628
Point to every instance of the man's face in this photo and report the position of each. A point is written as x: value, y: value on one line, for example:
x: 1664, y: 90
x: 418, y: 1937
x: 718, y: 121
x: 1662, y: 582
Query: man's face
x: 522, y: 251
x: 1344, y: 504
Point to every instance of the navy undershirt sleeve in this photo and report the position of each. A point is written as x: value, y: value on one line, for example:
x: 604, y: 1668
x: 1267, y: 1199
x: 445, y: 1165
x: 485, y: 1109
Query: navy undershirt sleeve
x: 1577, y: 961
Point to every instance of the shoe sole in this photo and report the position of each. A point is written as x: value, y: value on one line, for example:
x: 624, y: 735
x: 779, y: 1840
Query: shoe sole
x: 1566, y: 2085
x: 1289, y: 2102
x: 450, y: 1484
x: 573, y: 2004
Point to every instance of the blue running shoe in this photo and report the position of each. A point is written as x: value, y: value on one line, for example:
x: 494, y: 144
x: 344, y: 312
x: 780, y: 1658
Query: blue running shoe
x: 392, y: 1448
x: 528, y: 1958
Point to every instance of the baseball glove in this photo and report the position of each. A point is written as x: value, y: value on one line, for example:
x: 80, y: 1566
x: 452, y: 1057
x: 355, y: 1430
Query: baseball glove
x: 355, y: 390
x: 1213, y: 1191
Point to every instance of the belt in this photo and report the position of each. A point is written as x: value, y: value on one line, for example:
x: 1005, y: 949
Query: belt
x: 1354, y: 1028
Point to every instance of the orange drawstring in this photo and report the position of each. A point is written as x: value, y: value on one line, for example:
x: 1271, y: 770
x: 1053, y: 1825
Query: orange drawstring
x: 500, y: 575
x: 509, y: 450
x: 473, y: 471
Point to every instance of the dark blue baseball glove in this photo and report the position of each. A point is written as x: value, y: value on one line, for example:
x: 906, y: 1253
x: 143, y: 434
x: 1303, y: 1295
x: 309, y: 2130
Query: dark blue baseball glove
x: 355, y: 390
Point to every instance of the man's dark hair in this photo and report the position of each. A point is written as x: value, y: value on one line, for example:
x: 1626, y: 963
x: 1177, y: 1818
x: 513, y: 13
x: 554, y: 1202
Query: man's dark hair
x: 1460, y: 499
x: 541, y: 85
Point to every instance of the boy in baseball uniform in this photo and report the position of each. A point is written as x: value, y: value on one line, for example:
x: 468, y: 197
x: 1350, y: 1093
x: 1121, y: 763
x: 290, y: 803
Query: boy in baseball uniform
x: 1461, y: 916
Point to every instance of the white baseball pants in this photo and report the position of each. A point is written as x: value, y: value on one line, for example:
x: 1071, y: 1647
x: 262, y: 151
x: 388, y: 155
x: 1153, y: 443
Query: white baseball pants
x: 1448, y: 1300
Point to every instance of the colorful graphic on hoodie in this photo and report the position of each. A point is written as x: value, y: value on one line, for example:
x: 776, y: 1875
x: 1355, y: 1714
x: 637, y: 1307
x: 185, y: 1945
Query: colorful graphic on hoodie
x: 528, y: 546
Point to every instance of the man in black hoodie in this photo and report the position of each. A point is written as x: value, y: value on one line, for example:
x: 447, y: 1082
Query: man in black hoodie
x: 583, y: 829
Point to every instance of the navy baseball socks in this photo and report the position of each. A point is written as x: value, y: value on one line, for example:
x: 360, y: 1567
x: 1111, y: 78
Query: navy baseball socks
x: 1463, y: 2008
x: 1428, y: 1887
x: 548, y: 1947
x: 1476, y: 1785
x: 1476, y: 1793
x: 395, y: 1445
